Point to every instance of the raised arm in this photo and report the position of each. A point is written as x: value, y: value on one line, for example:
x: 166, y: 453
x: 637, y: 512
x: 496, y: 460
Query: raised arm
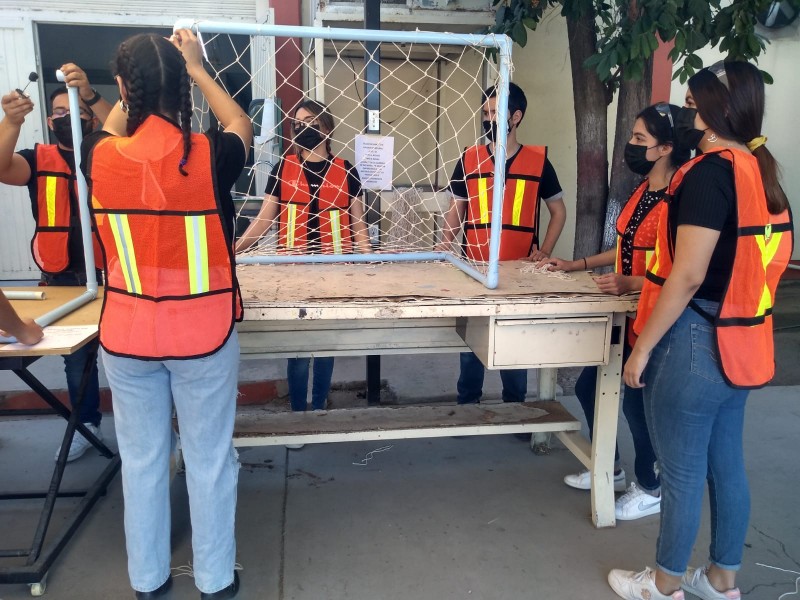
x: 227, y: 111
x: 14, y: 170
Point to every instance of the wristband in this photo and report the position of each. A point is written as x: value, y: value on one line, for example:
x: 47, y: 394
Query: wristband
x: 585, y: 264
x: 94, y: 99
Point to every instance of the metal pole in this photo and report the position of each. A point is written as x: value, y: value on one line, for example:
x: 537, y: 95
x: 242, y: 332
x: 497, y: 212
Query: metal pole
x: 372, y: 121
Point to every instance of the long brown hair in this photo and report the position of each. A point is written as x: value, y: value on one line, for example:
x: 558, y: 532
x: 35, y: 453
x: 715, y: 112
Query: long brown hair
x: 324, y: 118
x: 734, y: 108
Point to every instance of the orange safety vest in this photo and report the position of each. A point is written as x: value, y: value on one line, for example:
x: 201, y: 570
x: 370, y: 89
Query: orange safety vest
x: 644, y: 241
x: 55, y: 187
x: 743, y: 322
x: 520, y: 202
x: 333, y: 203
x: 171, y: 289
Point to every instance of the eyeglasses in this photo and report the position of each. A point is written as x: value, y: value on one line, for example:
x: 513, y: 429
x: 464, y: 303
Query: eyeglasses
x: 307, y: 121
x: 63, y: 112
x: 662, y: 108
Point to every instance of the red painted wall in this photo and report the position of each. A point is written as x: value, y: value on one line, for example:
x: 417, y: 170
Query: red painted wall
x: 662, y: 75
x: 288, y: 58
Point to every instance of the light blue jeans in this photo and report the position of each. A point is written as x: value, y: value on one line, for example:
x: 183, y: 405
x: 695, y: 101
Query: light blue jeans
x: 696, y: 422
x: 204, y: 393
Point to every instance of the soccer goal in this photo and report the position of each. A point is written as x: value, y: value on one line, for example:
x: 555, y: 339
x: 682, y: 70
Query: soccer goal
x: 405, y: 105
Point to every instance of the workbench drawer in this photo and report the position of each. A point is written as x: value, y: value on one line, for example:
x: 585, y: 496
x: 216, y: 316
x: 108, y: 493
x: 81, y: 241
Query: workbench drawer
x: 528, y: 343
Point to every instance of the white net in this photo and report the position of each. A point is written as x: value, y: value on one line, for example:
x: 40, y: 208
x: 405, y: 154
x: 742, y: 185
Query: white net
x: 429, y: 98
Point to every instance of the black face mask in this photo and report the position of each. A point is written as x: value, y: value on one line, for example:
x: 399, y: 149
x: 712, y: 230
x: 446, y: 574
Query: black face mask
x: 636, y: 158
x: 62, y: 129
x: 308, y: 137
x: 686, y: 135
x: 490, y: 130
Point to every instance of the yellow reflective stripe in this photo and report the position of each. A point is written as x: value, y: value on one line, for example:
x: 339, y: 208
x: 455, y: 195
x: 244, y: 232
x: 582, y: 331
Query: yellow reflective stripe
x: 519, y: 192
x: 52, y: 182
x: 618, y: 255
x: 483, y: 199
x: 197, y: 252
x: 125, y: 252
x: 291, y: 219
x: 648, y: 256
x: 768, y: 250
x: 336, y: 231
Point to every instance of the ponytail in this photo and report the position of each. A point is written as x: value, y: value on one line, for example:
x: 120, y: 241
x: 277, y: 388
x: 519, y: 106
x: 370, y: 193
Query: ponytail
x: 777, y: 202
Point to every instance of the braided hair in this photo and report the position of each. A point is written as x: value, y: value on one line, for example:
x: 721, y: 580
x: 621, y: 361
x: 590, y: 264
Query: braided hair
x: 154, y: 74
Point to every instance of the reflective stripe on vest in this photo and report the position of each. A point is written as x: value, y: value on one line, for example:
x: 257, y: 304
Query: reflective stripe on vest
x: 51, y: 200
x: 125, y: 252
x: 743, y: 323
x: 197, y: 250
x: 171, y: 288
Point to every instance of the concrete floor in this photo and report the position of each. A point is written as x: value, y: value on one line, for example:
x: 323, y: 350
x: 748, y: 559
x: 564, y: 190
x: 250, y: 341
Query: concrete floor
x: 444, y: 519
x: 475, y: 518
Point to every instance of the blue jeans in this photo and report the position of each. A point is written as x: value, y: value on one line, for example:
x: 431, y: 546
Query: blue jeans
x: 204, y: 393
x: 75, y: 363
x: 633, y: 408
x: 297, y: 377
x: 696, y: 422
x: 470, y: 381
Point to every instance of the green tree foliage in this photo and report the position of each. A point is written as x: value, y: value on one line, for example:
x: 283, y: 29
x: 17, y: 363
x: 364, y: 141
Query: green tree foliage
x: 628, y: 32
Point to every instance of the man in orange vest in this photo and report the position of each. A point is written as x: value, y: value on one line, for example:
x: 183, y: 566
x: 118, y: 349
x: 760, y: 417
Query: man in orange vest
x: 529, y: 178
x: 48, y: 171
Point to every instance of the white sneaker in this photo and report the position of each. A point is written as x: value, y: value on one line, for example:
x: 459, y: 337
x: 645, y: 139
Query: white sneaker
x: 80, y: 444
x: 294, y: 446
x: 639, y: 586
x: 635, y: 504
x: 583, y: 481
x: 695, y: 581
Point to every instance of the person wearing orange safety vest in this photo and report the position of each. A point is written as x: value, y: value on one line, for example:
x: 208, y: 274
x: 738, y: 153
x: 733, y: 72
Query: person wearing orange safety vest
x: 162, y: 206
x: 704, y: 325
x: 48, y: 171
x: 530, y: 177
x: 651, y: 152
x: 316, y: 200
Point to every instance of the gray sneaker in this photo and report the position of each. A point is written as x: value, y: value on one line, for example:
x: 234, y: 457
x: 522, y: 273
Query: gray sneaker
x: 80, y: 444
x: 695, y: 581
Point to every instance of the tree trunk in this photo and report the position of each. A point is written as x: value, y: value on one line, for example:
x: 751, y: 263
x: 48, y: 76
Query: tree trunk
x: 591, y: 130
x: 633, y: 96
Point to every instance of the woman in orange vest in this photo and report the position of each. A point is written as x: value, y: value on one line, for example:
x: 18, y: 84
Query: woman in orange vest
x: 705, y: 329
x: 316, y: 199
x: 162, y: 207
x: 651, y: 152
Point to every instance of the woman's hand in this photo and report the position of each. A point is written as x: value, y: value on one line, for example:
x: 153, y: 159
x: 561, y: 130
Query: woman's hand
x: 614, y: 283
x: 555, y: 264
x: 634, y: 368
x: 189, y: 46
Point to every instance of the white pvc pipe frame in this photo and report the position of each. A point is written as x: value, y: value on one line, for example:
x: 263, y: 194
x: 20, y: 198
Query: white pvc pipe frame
x: 86, y: 228
x: 503, y: 45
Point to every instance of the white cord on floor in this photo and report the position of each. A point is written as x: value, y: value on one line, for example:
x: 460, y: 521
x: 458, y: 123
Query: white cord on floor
x: 796, y: 591
x: 370, y: 454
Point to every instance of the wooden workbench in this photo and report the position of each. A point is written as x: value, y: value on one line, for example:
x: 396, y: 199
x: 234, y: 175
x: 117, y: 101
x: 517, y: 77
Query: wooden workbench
x: 531, y: 320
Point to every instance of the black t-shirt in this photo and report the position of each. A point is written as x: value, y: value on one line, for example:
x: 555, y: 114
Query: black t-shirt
x: 549, y: 186
x: 315, y: 173
x: 228, y: 158
x: 707, y: 198
x: 77, y: 265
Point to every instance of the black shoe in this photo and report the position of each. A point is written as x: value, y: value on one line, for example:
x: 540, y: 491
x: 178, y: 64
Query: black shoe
x: 224, y: 593
x: 163, y: 590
